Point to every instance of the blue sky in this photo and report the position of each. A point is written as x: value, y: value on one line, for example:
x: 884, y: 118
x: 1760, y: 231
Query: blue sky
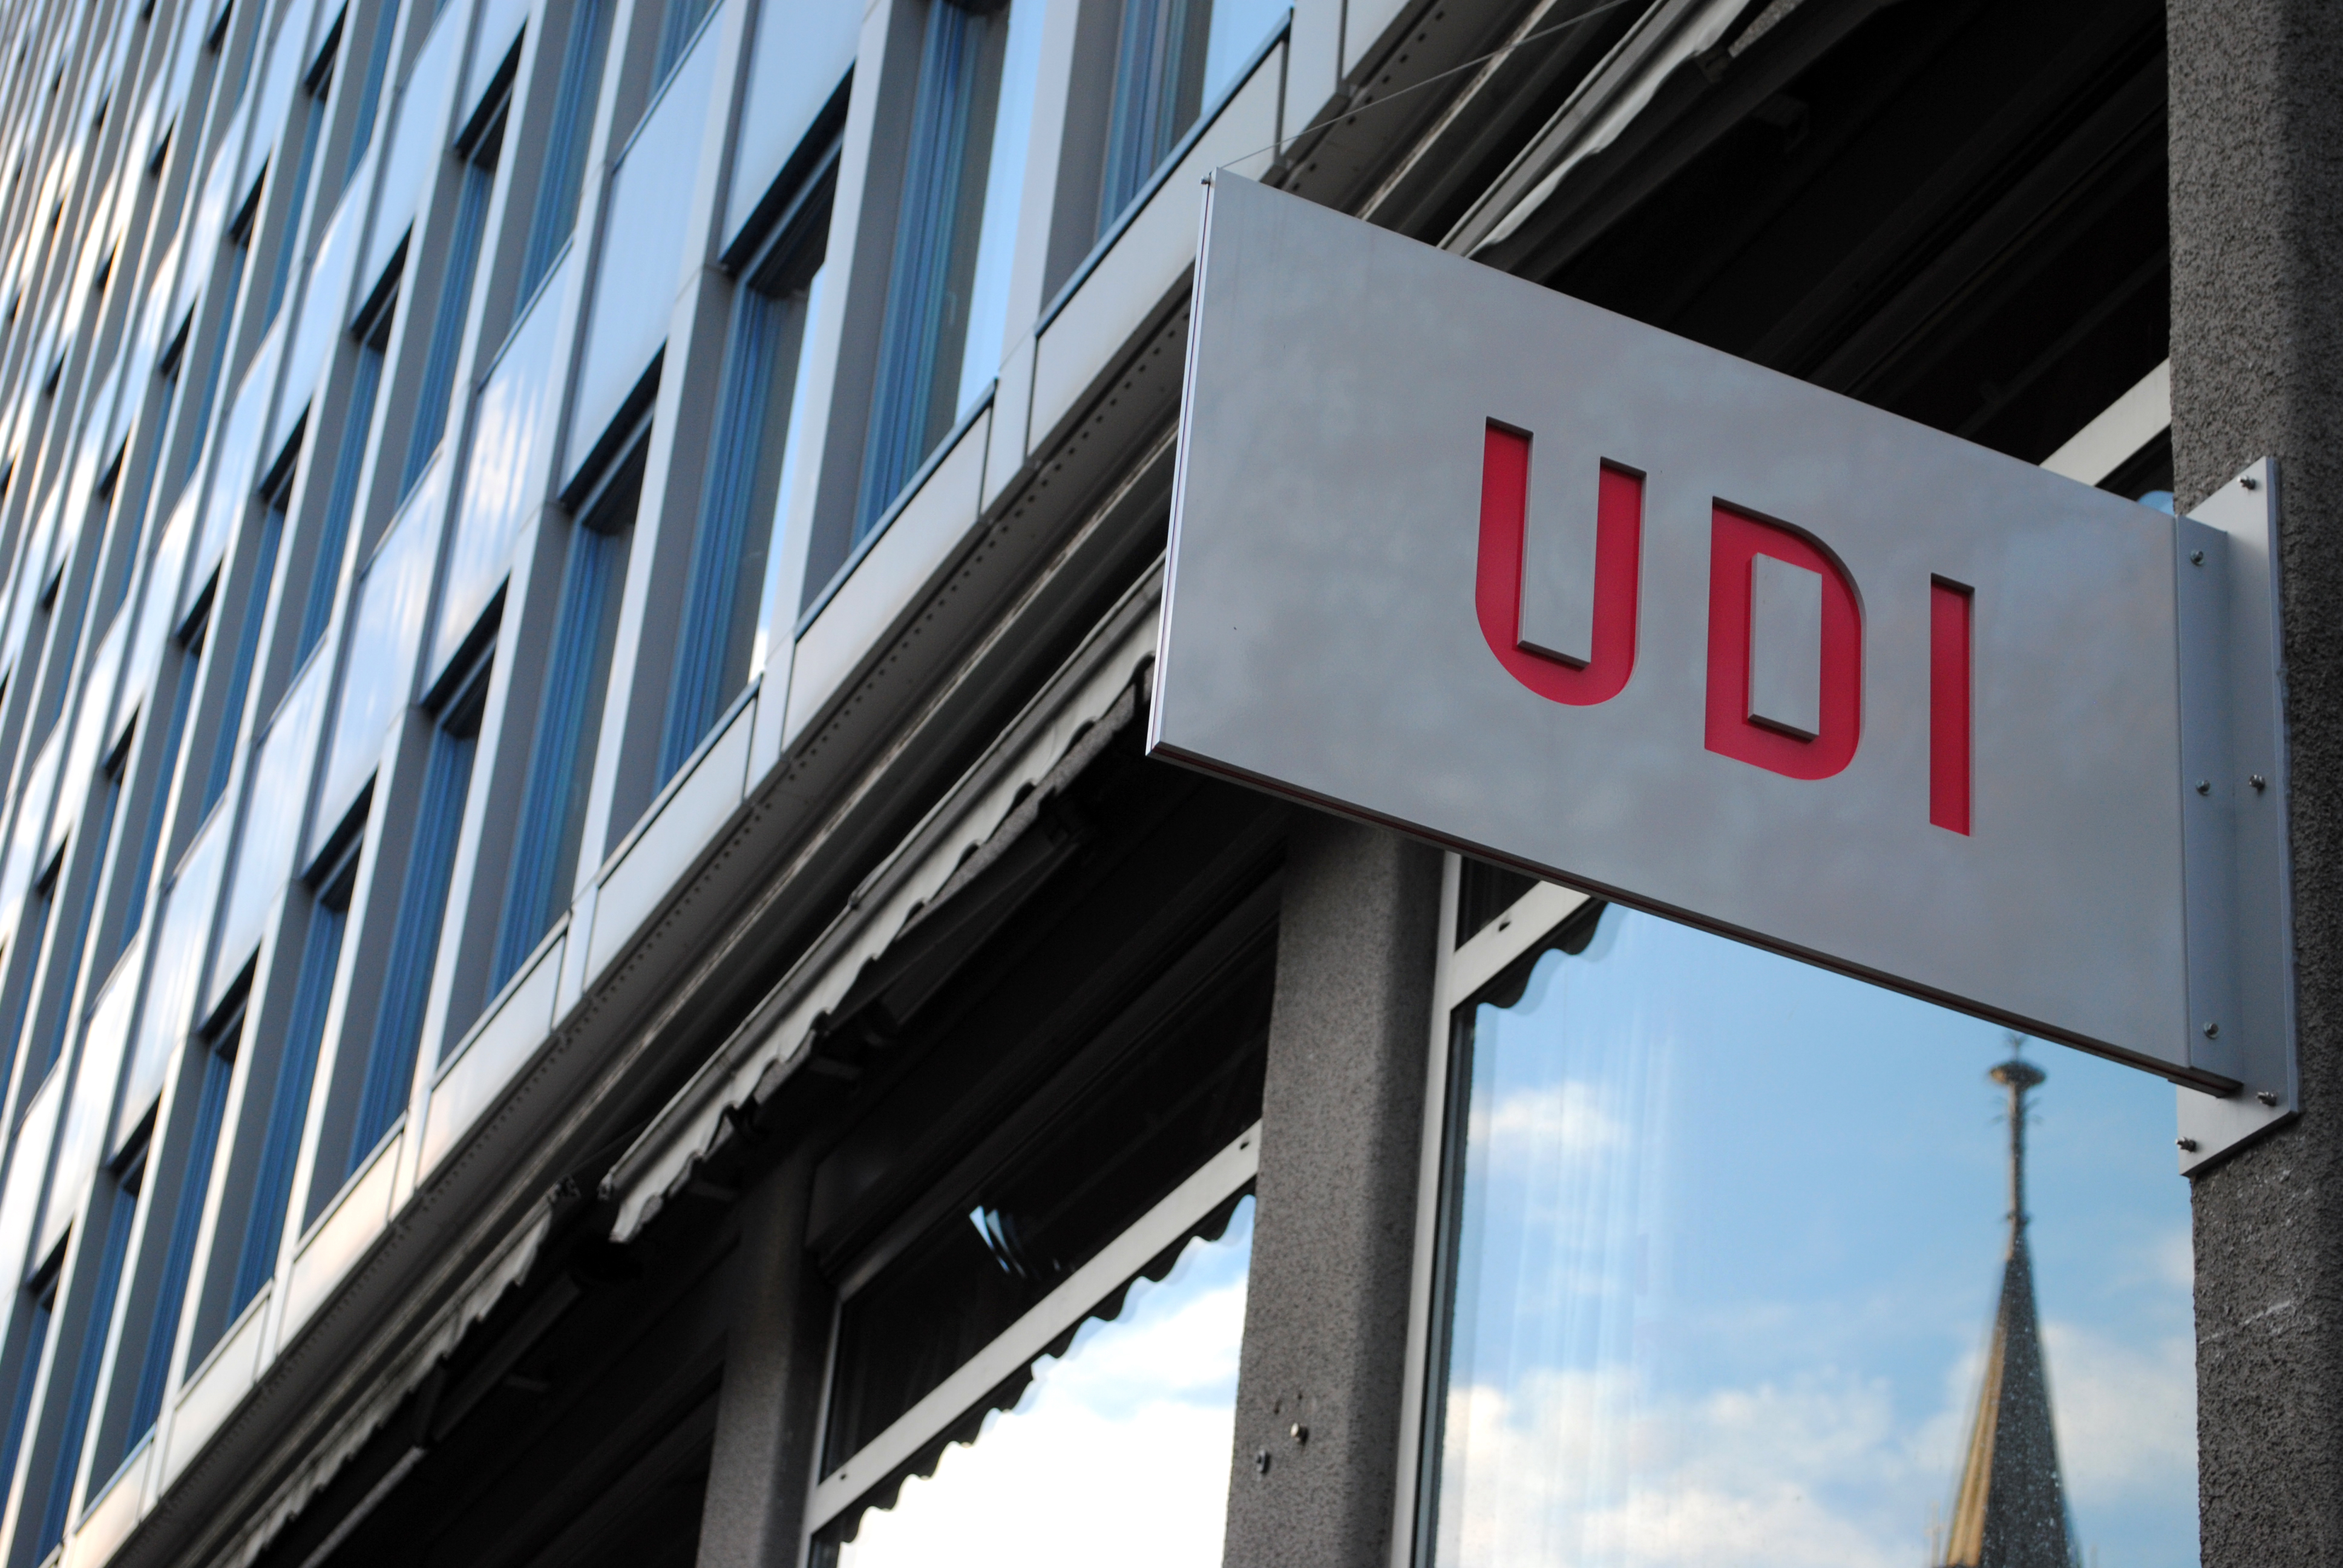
x: 1732, y: 1250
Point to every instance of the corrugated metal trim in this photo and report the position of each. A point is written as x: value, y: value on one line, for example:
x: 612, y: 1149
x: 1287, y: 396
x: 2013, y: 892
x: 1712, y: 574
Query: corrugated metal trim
x: 478, y: 1297
x: 1094, y: 698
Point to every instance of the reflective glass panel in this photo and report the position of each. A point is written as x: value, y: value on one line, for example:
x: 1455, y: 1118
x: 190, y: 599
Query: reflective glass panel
x: 1134, y: 1421
x: 1732, y: 1279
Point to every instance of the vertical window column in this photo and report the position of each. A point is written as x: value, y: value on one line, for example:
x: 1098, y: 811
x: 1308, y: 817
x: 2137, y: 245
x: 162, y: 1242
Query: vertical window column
x: 556, y: 212
x: 212, y: 1077
x: 717, y: 631
x: 455, y: 306
x: 936, y: 234
x: 349, y: 460
x: 422, y: 907
x: 569, y: 718
x: 181, y: 702
x: 94, y: 1326
x: 296, y: 1071
x: 247, y: 641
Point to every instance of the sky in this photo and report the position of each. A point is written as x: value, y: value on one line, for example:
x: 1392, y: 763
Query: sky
x: 1732, y: 1234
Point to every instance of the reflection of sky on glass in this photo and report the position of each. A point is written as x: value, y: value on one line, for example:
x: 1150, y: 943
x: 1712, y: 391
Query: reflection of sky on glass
x: 1118, y: 1452
x: 1731, y: 1239
x: 1238, y: 30
x: 1004, y: 193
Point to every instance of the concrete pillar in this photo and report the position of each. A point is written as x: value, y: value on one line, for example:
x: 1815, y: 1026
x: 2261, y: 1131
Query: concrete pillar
x: 1342, y: 1124
x: 2258, y: 367
x: 769, y: 1412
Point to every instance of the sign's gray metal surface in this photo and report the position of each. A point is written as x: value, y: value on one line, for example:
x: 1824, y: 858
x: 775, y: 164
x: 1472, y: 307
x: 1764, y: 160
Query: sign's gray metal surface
x: 1319, y: 635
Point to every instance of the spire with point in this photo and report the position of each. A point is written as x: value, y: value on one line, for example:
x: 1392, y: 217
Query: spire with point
x: 2010, y: 1509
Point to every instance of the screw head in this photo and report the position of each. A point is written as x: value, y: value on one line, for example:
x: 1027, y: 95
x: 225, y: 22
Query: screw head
x: 1300, y: 1433
x: 2212, y: 1031
x: 2186, y: 1144
x: 2267, y: 1098
x: 2249, y: 482
x: 2204, y: 786
x: 2196, y: 557
x: 2258, y: 781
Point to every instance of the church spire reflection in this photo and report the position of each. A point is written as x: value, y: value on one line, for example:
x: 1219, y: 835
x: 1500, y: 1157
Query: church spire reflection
x: 2010, y: 1509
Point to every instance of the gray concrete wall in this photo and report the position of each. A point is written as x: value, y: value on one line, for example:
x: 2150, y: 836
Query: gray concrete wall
x: 2258, y: 367
x: 1342, y: 1123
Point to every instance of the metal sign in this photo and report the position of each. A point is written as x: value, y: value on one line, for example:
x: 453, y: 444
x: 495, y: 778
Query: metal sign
x: 1461, y: 554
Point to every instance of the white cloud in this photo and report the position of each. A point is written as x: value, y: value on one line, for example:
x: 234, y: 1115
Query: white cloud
x: 2126, y: 1415
x: 1587, y: 1467
x: 1118, y: 1452
x: 1532, y: 1125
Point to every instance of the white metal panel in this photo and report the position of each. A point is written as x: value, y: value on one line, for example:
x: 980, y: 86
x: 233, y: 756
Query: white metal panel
x: 499, y: 1049
x: 418, y: 141
x: 499, y: 28
x: 80, y: 1144
x: 236, y: 468
x: 803, y: 50
x: 644, y: 222
x: 182, y: 935
x: 380, y: 672
x: 1149, y: 259
x: 653, y: 865
x: 272, y: 824
x: 111, y: 1518
x: 326, y: 308
x: 211, y: 1394
x: 506, y: 472
x: 28, y: 1171
x: 341, y: 1238
x: 892, y: 575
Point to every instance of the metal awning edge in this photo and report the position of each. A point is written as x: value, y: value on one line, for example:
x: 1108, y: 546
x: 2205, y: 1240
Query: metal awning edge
x: 505, y: 1267
x: 1061, y: 726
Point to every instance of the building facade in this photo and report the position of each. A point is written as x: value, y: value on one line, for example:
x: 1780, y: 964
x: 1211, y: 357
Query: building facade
x: 592, y: 969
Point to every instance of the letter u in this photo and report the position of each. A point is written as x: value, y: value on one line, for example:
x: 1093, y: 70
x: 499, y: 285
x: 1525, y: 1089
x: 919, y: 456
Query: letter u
x: 1610, y: 640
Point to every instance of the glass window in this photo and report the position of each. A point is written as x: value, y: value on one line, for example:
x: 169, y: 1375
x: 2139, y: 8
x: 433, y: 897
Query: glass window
x: 296, y: 1069
x: 1173, y: 58
x: 422, y: 904
x: 678, y: 28
x: 32, y: 930
x: 310, y: 133
x: 377, y: 67
x: 957, y: 208
x: 179, y: 701
x: 569, y: 725
x: 455, y: 302
x: 556, y: 212
x: 1736, y: 1267
x: 98, y: 829
x: 341, y: 501
x: 211, y: 1075
x: 227, y: 280
x: 42, y: 1298
x: 230, y: 732
x: 1133, y: 1420
x: 715, y: 642
x: 95, y: 1324
x: 1085, y: 1282
x: 118, y: 553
